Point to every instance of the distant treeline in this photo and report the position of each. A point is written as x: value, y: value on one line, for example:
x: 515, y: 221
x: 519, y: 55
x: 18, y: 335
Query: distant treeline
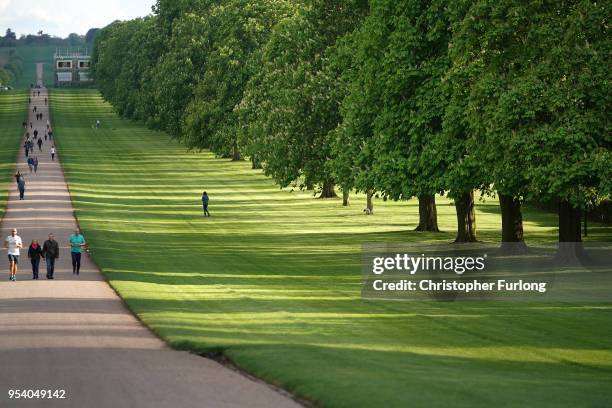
x: 12, y: 69
x: 393, y: 98
x: 73, y: 40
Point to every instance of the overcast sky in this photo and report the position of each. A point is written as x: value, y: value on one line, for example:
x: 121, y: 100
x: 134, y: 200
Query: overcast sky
x: 62, y: 17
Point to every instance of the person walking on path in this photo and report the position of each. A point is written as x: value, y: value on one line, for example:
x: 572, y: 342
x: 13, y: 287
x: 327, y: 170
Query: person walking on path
x: 53, y: 153
x: 35, y: 134
x: 77, y: 242
x: 205, y: 204
x: 50, y: 252
x: 30, y: 163
x: 35, y: 253
x: 17, y: 177
x: 21, y: 185
x: 40, y: 143
x: 35, y: 164
x: 12, y: 243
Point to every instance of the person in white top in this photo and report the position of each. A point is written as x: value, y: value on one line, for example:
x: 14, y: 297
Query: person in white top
x: 13, y: 243
x: 53, y: 153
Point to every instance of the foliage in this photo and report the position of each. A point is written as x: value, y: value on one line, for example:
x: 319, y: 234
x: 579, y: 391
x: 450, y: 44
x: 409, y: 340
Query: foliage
x: 292, y: 103
x: 536, y: 87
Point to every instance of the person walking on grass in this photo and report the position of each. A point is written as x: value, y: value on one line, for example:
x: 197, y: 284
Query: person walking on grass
x: 12, y: 243
x: 52, y: 153
x: 205, y: 204
x: 50, y: 252
x: 77, y: 243
x: 21, y: 185
x: 35, y: 253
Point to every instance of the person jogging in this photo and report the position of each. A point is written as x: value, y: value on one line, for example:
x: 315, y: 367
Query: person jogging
x: 21, y: 185
x: 77, y: 242
x: 50, y: 252
x: 205, y: 204
x: 35, y: 253
x: 53, y: 153
x: 12, y: 243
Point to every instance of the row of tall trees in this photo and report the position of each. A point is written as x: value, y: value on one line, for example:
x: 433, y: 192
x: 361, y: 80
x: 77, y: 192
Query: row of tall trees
x: 397, y: 98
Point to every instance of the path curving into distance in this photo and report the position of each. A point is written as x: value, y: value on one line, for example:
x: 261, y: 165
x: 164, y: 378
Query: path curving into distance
x: 75, y: 334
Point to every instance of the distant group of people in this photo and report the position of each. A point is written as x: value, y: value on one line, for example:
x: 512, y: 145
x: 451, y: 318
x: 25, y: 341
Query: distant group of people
x: 34, y: 140
x: 49, y: 251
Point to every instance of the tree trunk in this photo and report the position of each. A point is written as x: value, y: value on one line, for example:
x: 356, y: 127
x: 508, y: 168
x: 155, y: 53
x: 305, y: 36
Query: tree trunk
x: 512, y: 225
x: 571, y: 251
x: 255, y: 164
x: 236, y: 153
x: 369, y: 203
x: 328, y: 190
x: 345, y: 197
x: 569, y: 223
x: 428, y: 215
x: 466, y: 218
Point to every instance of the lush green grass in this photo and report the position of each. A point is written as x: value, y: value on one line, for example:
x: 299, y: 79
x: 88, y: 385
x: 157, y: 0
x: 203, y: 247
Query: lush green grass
x: 273, y: 280
x: 31, y: 54
x: 13, y: 110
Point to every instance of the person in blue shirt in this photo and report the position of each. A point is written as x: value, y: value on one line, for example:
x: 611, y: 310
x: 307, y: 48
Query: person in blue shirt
x: 205, y: 204
x: 77, y: 242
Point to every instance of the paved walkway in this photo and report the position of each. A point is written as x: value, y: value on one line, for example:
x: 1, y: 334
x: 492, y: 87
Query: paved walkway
x: 73, y: 333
